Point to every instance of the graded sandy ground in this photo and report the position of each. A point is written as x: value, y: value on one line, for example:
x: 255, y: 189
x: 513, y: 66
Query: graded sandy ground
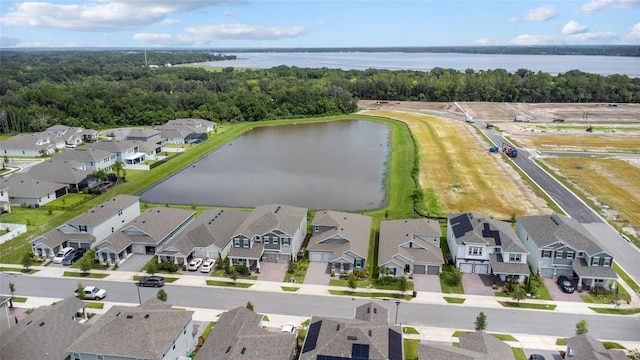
x: 456, y: 166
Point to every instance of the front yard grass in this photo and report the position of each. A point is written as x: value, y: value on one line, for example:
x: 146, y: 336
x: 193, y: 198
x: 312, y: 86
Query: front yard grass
x: 612, y: 345
x: 84, y: 275
x: 446, y: 286
x: 299, y: 271
x: 19, y: 299
x: 453, y: 300
x: 611, y: 311
x: 501, y: 337
x: 371, y: 294
x: 518, y: 353
x: 523, y: 305
x: 94, y: 305
x: 20, y: 270
x: 167, y: 279
x: 411, y: 349
x: 410, y: 330
x: 561, y: 341
x: 289, y: 288
x: 228, y: 284
x: 606, y: 297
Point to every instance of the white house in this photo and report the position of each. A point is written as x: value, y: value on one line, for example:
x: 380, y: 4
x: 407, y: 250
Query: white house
x: 5, y: 204
x: 30, y: 192
x: 93, y: 159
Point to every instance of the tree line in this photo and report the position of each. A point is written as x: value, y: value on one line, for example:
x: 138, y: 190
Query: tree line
x: 98, y: 89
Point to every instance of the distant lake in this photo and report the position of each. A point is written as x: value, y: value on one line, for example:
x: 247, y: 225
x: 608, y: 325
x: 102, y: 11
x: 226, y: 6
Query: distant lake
x: 336, y: 165
x: 553, y: 64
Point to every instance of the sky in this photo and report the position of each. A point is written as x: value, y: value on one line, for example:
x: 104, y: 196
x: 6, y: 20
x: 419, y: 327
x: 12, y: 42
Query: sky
x: 236, y: 24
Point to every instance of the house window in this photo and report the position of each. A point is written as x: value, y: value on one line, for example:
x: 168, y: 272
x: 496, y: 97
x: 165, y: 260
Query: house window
x: 559, y: 254
x: 515, y: 257
x: 475, y: 250
x: 76, y: 356
x: 607, y: 262
x: 595, y: 261
x: 83, y: 228
x: 571, y: 255
x: 245, y: 243
x: 286, y: 241
x: 100, y: 357
x: 317, y: 228
x: 546, y: 253
x: 236, y: 243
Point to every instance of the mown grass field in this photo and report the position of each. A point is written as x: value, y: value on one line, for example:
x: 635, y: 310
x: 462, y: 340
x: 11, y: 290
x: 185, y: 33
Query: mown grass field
x: 458, y: 173
x: 613, y: 182
x: 596, y: 143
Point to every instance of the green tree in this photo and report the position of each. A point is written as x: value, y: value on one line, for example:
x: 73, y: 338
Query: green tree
x: 352, y: 282
x: 162, y: 295
x: 27, y: 261
x: 249, y: 305
x: 233, y: 274
x: 403, y: 284
x: 117, y: 168
x: 582, y: 327
x: 634, y: 354
x: 80, y: 291
x: 152, y: 267
x: 481, y: 322
x: 12, y: 289
x: 519, y: 293
x: 85, y: 264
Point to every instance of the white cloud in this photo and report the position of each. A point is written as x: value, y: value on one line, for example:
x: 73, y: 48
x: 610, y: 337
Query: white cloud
x: 228, y: 14
x: 597, y: 5
x: 206, y: 35
x: 573, y: 27
x: 634, y: 35
x: 169, y: 21
x: 102, y: 15
x: 8, y: 41
x: 573, y: 39
x: 542, y: 13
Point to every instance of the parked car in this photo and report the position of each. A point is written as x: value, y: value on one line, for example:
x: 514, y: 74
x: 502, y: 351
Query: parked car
x: 153, y: 281
x: 536, y: 357
x: 558, y: 120
x: 207, y: 265
x: 565, y: 284
x: 61, y: 254
x: 194, y: 264
x: 288, y: 327
x: 73, y: 256
x: 92, y: 293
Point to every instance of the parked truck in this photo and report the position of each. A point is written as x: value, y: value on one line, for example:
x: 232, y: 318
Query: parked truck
x: 509, y: 150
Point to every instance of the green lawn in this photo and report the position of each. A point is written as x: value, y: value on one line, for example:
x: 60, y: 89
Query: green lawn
x: 411, y: 349
x: 501, y: 337
x: 94, y: 305
x: 70, y: 200
x: 410, y: 330
x: 613, y: 345
x: 16, y: 269
x: 19, y: 299
x: 606, y: 297
x: 299, y: 272
x: 84, y: 275
x: 611, y: 311
x: 228, y: 284
x: 561, y: 341
x: 453, y: 300
x: 627, y: 279
x: 446, y: 287
x: 523, y: 305
x: 519, y: 353
x: 289, y: 288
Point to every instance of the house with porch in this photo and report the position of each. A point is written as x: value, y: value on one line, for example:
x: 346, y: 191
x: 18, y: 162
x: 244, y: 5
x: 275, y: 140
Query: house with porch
x: 93, y: 159
x: 481, y: 245
x: 144, y: 135
x: 477, y: 345
x: 585, y: 347
x: 340, y: 239
x: 29, y: 192
x: 409, y: 247
x: 71, y: 173
x: 71, y: 136
x: 239, y: 334
x: 150, y: 331
x: 560, y: 245
x: 367, y: 336
x: 185, y: 131
x: 144, y: 234
x: 208, y: 236
x: 128, y: 152
x: 85, y: 229
x: 272, y: 233
x: 5, y: 204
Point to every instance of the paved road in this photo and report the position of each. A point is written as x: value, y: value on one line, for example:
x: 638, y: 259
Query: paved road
x: 623, y: 328
x: 625, y: 253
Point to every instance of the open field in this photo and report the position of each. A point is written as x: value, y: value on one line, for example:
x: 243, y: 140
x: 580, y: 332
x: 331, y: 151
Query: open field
x: 612, y: 185
x: 581, y: 142
x: 464, y: 178
x: 404, y: 105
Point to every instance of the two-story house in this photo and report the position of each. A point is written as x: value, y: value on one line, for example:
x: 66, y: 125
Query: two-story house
x: 66, y: 172
x: 128, y: 152
x: 340, y: 239
x: 560, y: 245
x: 5, y: 204
x: 85, y: 229
x: 410, y: 246
x: 93, y: 159
x: 481, y: 245
x: 272, y: 233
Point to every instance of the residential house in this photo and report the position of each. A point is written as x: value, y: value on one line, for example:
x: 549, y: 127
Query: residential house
x: 150, y: 331
x: 208, y: 236
x: 5, y: 317
x: 71, y: 136
x: 5, y: 204
x: 340, y: 239
x: 144, y: 234
x: 127, y: 152
x: 71, y: 173
x: 272, y: 233
x: 477, y: 345
x: 410, y: 247
x: 238, y: 334
x: 560, y: 245
x: 93, y: 159
x: 584, y: 347
x: 185, y: 131
x: 46, y: 332
x: 30, y: 192
x: 90, y: 227
x: 367, y: 336
x: 145, y: 135
x: 32, y: 145
x: 199, y: 125
x: 481, y: 245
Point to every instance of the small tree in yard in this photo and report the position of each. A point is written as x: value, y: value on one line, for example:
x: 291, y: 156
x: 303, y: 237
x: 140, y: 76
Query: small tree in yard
x: 27, y: 261
x: 403, y: 284
x: 152, y: 268
x: 582, y: 327
x: 519, y: 293
x: 352, y: 282
x: 80, y: 291
x: 162, y: 295
x: 481, y: 322
x: 85, y: 264
x: 249, y: 305
x: 12, y: 289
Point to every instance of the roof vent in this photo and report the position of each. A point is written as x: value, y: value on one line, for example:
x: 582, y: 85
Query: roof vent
x: 118, y: 314
x: 228, y: 349
x: 243, y: 350
x: 370, y: 333
x: 41, y: 324
x: 146, y: 316
x: 352, y: 338
x: 338, y: 327
x: 130, y: 316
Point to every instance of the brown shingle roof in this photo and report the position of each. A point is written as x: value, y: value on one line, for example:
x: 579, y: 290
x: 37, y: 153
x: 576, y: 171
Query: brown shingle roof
x: 394, y: 233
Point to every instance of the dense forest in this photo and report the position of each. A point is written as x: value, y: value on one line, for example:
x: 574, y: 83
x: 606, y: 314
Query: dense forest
x: 97, y: 89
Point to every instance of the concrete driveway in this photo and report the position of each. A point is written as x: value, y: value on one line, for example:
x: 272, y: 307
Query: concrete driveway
x: 273, y: 271
x: 428, y: 283
x: 318, y: 273
x: 134, y: 262
x: 557, y: 293
x: 476, y: 284
x: 548, y: 354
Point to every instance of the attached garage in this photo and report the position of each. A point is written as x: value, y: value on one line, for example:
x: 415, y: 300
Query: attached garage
x: 419, y: 269
x: 466, y: 267
x: 433, y: 270
x: 319, y: 256
x: 481, y: 269
x: 546, y: 272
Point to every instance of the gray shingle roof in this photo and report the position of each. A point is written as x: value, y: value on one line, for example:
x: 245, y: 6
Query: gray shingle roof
x: 83, y: 154
x: 394, y: 233
x: 26, y: 142
x: 128, y: 332
x: 601, y: 272
x: 354, y: 228
x: 498, y: 266
x: 266, y: 218
x: 56, y: 237
x: 484, y: 230
x: 545, y: 230
x: 105, y: 210
x: 25, y: 186
x: 59, y: 171
x: 240, y: 329
x: 136, y: 133
x: 38, y: 336
x: 584, y: 347
x: 113, y: 146
x: 477, y: 345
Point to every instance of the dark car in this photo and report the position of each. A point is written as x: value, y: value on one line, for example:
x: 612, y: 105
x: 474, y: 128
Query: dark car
x: 73, y: 256
x: 153, y: 281
x: 565, y: 284
x: 558, y: 120
x: 536, y: 357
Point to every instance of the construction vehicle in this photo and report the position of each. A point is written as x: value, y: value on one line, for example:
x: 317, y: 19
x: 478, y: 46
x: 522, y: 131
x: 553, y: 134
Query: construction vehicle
x: 509, y: 150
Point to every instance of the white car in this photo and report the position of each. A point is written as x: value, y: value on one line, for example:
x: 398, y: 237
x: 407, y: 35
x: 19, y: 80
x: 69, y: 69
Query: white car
x: 194, y: 264
x: 61, y: 255
x: 207, y: 265
x: 92, y: 293
x: 288, y: 327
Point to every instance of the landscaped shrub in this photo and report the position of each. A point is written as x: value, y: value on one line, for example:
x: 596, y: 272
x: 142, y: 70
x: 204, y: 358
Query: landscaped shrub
x: 360, y: 274
x: 170, y: 267
x: 242, y: 270
x: 292, y: 267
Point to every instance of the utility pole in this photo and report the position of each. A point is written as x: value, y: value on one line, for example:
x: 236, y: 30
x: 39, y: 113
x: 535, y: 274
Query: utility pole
x: 397, y: 307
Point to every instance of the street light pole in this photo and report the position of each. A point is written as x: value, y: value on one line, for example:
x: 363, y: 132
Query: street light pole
x: 397, y: 306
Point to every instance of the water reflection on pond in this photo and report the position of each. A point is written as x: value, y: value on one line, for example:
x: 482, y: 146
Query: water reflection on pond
x: 335, y: 165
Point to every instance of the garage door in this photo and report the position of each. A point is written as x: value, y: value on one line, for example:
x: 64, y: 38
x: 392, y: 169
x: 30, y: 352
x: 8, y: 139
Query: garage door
x: 466, y: 268
x: 269, y: 257
x: 433, y: 270
x: 319, y: 256
x: 481, y: 269
x: 546, y: 272
x: 419, y: 269
x: 284, y: 258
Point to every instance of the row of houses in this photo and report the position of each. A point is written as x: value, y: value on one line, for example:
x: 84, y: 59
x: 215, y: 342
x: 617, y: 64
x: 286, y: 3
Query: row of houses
x: 549, y: 245
x: 154, y: 331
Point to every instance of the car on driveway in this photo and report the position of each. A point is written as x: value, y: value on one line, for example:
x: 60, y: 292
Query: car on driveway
x: 151, y: 281
x: 565, y: 284
x: 92, y: 293
x: 536, y: 357
x: 73, y: 256
x: 194, y: 264
x: 207, y: 265
x: 61, y: 255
